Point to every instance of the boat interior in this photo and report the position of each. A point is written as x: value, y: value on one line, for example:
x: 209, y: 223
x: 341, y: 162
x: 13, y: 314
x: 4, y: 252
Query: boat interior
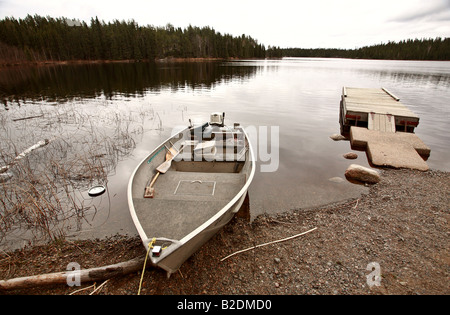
x: 208, y: 170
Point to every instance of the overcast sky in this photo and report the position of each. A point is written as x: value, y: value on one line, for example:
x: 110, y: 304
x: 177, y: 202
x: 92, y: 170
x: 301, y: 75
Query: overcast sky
x: 284, y: 23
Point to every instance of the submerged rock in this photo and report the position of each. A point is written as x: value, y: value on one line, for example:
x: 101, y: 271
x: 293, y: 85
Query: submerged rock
x: 362, y: 174
x: 336, y: 179
x: 350, y: 155
x: 338, y: 137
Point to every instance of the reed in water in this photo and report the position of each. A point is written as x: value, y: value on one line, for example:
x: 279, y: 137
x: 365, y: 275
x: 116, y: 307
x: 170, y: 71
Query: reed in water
x: 46, y: 188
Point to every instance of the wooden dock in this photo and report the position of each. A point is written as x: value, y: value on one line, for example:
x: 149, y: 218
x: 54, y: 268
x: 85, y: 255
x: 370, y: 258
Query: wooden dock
x: 378, y: 122
x: 375, y: 109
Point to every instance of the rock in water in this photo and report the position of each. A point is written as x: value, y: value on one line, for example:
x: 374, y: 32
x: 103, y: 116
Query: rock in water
x: 338, y: 137
x: 336, y: 179
x: 362, y: 174
x: 351, y: 156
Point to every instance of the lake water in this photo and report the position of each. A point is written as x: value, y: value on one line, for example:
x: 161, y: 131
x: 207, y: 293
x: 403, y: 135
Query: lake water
x: 298, y: 97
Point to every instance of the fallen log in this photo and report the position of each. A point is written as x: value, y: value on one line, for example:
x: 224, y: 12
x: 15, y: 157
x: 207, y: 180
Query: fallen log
x: 66, y: 277
x: 38, y: 145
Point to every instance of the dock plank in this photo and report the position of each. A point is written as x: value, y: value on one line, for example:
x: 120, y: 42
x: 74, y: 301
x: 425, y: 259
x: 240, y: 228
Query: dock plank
x: 381, y: 122
x: 374, y: 100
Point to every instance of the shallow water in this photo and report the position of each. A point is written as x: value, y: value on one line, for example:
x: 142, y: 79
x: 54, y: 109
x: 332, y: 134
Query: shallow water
x: 297, y: 96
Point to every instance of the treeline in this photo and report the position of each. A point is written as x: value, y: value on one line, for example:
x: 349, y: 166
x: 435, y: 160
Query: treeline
x: 417, y: 49
x: 37, y: 38
x: 45, y: 38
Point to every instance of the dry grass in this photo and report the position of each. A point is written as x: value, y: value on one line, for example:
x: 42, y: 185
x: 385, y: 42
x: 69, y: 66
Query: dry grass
x: 40, y: 192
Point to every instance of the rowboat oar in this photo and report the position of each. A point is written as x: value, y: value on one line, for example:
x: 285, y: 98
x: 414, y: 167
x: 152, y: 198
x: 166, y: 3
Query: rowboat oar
x: 163, y: 168
x: 149, y: 190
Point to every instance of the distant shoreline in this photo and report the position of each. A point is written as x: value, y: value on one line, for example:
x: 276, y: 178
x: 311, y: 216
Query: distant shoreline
x: 159, y: 60
x: 106, y: 61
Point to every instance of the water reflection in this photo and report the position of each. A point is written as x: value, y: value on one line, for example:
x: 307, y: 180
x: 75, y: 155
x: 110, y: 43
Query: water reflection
x: 434, y: 72
x: 414, y: 78
x: 62, y: 83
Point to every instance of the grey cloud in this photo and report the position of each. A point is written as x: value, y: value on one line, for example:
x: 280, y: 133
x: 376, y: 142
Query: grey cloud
x: 439, y: 11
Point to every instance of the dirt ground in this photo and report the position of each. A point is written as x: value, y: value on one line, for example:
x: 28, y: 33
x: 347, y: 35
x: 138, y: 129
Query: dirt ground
x: 400, y: 228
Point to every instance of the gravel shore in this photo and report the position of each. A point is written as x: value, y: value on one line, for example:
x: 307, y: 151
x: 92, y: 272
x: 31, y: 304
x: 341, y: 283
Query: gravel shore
x: 399, y: 229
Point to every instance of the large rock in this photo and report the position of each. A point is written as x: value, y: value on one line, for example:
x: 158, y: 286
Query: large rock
x: 362, y: 174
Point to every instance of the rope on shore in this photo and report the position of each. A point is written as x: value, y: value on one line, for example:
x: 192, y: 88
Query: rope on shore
x: 265, y: 244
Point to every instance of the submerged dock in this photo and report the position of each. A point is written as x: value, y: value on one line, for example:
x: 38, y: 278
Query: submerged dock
x: 376, y: 121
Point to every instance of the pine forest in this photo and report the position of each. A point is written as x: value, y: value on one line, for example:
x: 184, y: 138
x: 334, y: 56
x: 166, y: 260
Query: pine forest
x: 44, y: 38
x: 37, y: 38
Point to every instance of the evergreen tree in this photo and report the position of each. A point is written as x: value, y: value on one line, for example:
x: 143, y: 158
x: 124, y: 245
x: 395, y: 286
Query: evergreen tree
x: 45, y: 38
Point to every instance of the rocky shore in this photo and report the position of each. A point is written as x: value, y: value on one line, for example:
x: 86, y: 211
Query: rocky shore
x: 393, y: 240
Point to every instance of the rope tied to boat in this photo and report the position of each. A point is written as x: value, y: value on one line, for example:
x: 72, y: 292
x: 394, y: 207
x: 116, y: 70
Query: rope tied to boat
x: 150, y: 246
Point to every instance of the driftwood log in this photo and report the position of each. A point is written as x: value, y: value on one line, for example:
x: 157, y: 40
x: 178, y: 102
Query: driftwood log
x: 83, y: 275
x: 38, y: 145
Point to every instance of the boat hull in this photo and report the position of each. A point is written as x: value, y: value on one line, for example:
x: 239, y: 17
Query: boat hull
x: 199, y: 194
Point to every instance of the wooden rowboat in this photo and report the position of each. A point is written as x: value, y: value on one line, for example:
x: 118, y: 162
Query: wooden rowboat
x: 188, y: 188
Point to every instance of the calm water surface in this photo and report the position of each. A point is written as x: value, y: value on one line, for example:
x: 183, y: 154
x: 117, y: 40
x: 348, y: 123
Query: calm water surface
x: 300, y: 96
